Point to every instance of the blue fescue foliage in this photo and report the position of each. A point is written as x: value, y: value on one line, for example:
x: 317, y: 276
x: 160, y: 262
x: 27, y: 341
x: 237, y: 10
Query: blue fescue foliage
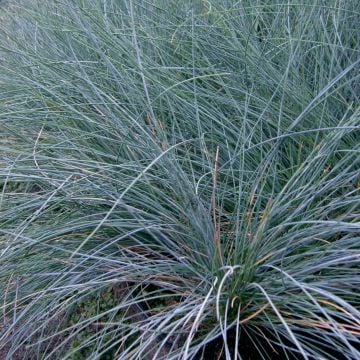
x: 195, y: 161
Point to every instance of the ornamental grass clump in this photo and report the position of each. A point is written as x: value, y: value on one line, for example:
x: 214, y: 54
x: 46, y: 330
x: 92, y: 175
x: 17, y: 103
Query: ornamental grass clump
x: 180, y: 179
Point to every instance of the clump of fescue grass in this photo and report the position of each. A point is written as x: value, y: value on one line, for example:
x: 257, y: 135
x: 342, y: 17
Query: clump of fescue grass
x: 199, y: 159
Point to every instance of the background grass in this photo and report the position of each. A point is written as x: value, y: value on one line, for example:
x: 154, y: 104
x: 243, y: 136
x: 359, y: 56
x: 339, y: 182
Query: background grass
x: 196, y: 161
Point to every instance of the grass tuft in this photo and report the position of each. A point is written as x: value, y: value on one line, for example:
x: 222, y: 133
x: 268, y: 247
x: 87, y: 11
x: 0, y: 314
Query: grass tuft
x: 180, y: 179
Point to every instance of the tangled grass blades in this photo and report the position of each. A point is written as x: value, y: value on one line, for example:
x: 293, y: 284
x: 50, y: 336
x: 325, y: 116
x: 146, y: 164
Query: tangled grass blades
x: 179, y: 179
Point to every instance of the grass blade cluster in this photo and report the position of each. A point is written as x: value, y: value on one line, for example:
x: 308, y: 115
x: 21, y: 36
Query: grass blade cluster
x: 190, y: 169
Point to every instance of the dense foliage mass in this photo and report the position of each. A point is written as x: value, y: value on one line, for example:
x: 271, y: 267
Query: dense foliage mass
x: 180, y: 179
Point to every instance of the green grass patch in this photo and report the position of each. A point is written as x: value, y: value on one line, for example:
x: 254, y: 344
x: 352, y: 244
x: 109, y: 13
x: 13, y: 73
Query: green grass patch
x: 201, y: 156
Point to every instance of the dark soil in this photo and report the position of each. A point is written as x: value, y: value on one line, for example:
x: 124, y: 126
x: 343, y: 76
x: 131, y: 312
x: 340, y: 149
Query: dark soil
x: 247, y: 349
